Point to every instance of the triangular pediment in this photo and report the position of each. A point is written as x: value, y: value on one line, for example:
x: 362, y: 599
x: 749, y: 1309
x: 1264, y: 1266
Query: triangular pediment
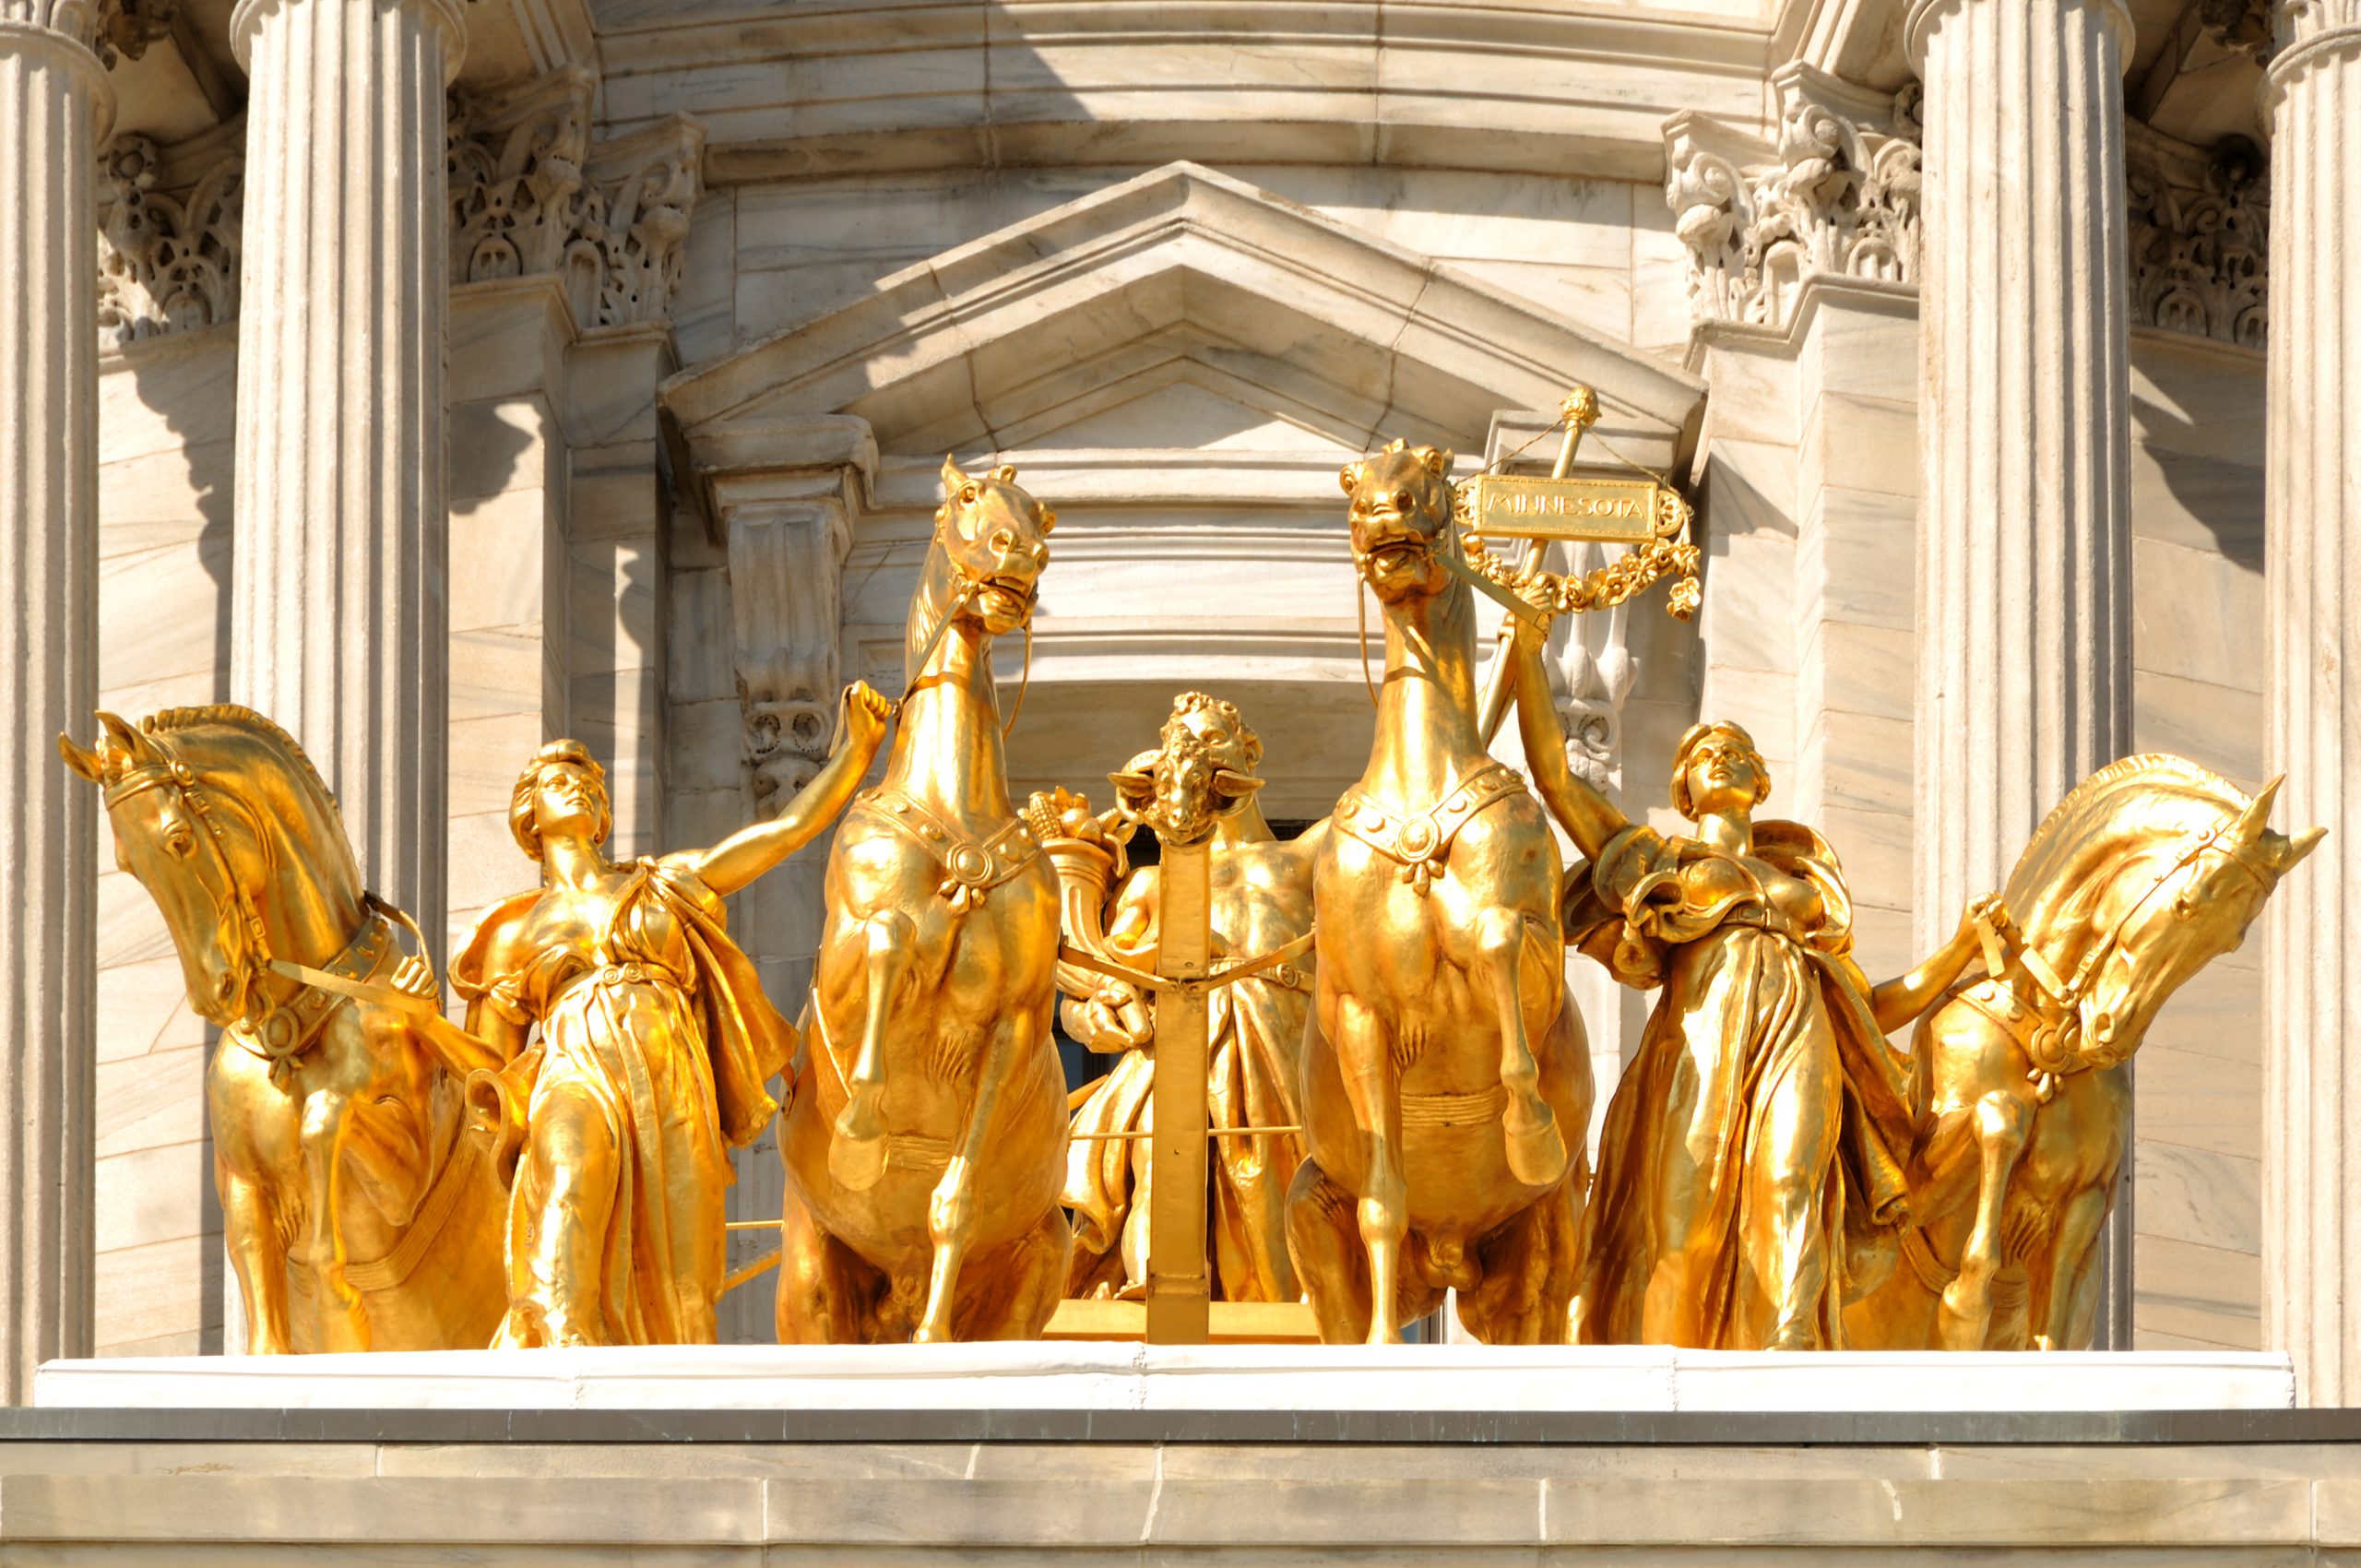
x: 1183, y: 309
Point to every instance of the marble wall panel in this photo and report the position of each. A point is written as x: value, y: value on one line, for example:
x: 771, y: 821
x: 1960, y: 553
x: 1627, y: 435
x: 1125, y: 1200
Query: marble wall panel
x: 165, y: 481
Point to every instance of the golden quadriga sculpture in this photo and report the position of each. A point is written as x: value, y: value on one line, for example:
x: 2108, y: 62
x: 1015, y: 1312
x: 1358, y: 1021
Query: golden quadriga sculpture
x: 1446, y: 1082
x: 2020, y: 1086
x: 357, y: 1212
x: 1772, y: 1173
x: 925, y: 1146
x: 1201, y: 781
x: 637, y: 1045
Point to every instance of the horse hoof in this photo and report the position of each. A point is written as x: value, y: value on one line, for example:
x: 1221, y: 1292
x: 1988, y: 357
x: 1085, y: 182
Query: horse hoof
x: 1536, y: 1150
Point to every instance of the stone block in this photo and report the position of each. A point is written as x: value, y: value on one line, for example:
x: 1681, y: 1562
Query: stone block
x: 1862, y: 444
x: 496, y: 670
x: 1864, y: 763
x: 696, y: 646
x: 1748, y: 489
x: 1039, y: 1515
x: 2216, y: 726
x: 1597, y: 298
x: 2195, y: 615
x: 499, y: 445
x: 146, y: 1297
x: 2217, y: 1013
x: 166, y: 497
x: 155, y: 1101
x: 2198, y: 1196
x: 1342, y: 1513
x: 1859, y: 349
x: 169, y: 394
x: 131, y: 929
x: 613, y: 606
x: 2196, y: 1292
x: 2200, y: 1101
x: 151, y: 1195
x: 704, y: 314
x: 499, y: 556
x: 163, y: 612
x: 487, y: 753
x: 2198, y: 398
x: 1747, y: 620
x: 143, y: 1006
x: 706, y: 741
x: 2199, y: 501
x: 1856, y: 558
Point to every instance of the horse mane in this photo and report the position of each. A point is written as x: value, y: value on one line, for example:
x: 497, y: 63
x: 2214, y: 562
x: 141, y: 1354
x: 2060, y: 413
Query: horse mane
x: 2087, y: 833
x: 246, y: 723
x: 929, y: 604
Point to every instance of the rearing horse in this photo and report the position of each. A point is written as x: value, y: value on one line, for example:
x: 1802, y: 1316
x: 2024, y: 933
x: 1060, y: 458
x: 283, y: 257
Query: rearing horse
x: 1446, y: 1077
x: 2148, y: 871
x: 926, y: 1146
x: 358, y: 1214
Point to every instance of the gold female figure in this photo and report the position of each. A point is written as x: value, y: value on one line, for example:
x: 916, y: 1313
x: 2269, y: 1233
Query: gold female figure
x: 1764, y: 1112
x: 654, y: 1043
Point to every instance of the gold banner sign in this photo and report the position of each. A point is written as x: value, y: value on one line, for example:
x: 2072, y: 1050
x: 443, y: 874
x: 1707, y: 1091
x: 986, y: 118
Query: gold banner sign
x: 1611, y: 511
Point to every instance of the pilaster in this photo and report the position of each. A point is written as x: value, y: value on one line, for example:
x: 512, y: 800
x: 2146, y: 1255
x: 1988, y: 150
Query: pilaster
x: 339, y: 626
x: 56, y: 105
x: 2312, y: 581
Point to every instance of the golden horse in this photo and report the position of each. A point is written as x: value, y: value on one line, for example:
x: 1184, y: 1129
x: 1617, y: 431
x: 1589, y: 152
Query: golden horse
x: 2148, y: 871
x: 927, y: 1144
x: 1446, y: 1083
x: 359, y: 1212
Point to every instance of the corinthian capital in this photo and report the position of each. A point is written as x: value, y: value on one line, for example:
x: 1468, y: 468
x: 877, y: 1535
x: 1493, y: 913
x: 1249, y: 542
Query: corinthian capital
x: 166, y: 263
x: 1837, y: 196
x: 644, y: 188
x: 125, y: 28
x: 2301, y: 21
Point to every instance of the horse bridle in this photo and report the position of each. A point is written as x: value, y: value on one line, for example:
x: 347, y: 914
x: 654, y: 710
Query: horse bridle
x: 2054, y: 1045
x: 285, y: 1028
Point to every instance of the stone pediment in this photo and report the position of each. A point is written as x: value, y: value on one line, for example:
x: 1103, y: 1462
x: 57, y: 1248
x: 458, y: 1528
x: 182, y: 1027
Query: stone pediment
x: 1168, y: 294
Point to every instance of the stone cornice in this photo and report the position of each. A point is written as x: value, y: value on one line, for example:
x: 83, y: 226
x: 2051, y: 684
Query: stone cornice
x: 829, y: 86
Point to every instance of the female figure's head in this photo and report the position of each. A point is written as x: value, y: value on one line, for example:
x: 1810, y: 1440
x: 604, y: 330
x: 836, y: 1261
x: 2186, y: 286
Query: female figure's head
x: 1718, y: 768
x: 562, y: 793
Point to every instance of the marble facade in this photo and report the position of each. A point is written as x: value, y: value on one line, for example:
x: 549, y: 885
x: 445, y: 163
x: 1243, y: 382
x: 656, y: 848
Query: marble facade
x: 726, y: 279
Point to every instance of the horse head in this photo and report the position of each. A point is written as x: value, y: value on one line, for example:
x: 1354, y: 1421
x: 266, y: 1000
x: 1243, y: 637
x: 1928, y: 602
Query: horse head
x: 1202, y: 772
x: 991, y: 544
x: 2170, y: 866
x: 221, y: 822
x: 1400, y: 520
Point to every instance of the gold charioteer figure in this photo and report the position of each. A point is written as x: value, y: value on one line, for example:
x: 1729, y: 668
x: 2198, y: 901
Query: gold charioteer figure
x: 637, y: 1043
x: 1260, y: 901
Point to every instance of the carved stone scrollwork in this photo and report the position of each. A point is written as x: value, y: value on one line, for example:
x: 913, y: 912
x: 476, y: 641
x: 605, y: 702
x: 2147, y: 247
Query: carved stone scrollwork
x: 645, y: 185
x: 517, y: 204
x: 2200, y: 241
x: 1838, y: 195
x: 786, y: 571
x: 531, y: 195
x: 166, y: 265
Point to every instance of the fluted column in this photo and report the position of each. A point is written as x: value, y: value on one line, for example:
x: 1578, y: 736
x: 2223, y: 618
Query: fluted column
x: 2311, y: 1247
x: 339, y: 611
x: 2024, y: 553
x: 55, y: 106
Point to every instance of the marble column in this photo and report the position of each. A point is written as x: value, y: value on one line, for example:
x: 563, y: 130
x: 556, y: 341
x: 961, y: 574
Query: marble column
x: 2024, y: 552
x: 56, y: 105
x: 339, y: 619
x: 2311, y: 1205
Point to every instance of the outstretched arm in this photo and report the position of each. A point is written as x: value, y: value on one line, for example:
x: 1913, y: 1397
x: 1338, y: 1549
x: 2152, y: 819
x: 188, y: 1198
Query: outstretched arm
x: 1588, y: 817
x: 746, y: 854
x: 1902, y: 999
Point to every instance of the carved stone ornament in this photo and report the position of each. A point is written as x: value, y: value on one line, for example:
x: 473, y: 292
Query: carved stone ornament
x: 166, y: 265
x: 786, y: 568
x: 2200, y: 241
x: 517, y: 205
x: 1838, y: 195
x: 2242, y: 26
x: 127, y: 26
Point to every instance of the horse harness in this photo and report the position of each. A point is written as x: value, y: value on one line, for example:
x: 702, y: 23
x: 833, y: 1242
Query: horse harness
x: 285, y: 1031
x: 971, y: 867
x: 2048, y: 1023
x: 1421, y: 840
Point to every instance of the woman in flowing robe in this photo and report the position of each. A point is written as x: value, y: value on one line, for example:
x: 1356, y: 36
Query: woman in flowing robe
x: 654, y: 1046
x: 1764, y: 1113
